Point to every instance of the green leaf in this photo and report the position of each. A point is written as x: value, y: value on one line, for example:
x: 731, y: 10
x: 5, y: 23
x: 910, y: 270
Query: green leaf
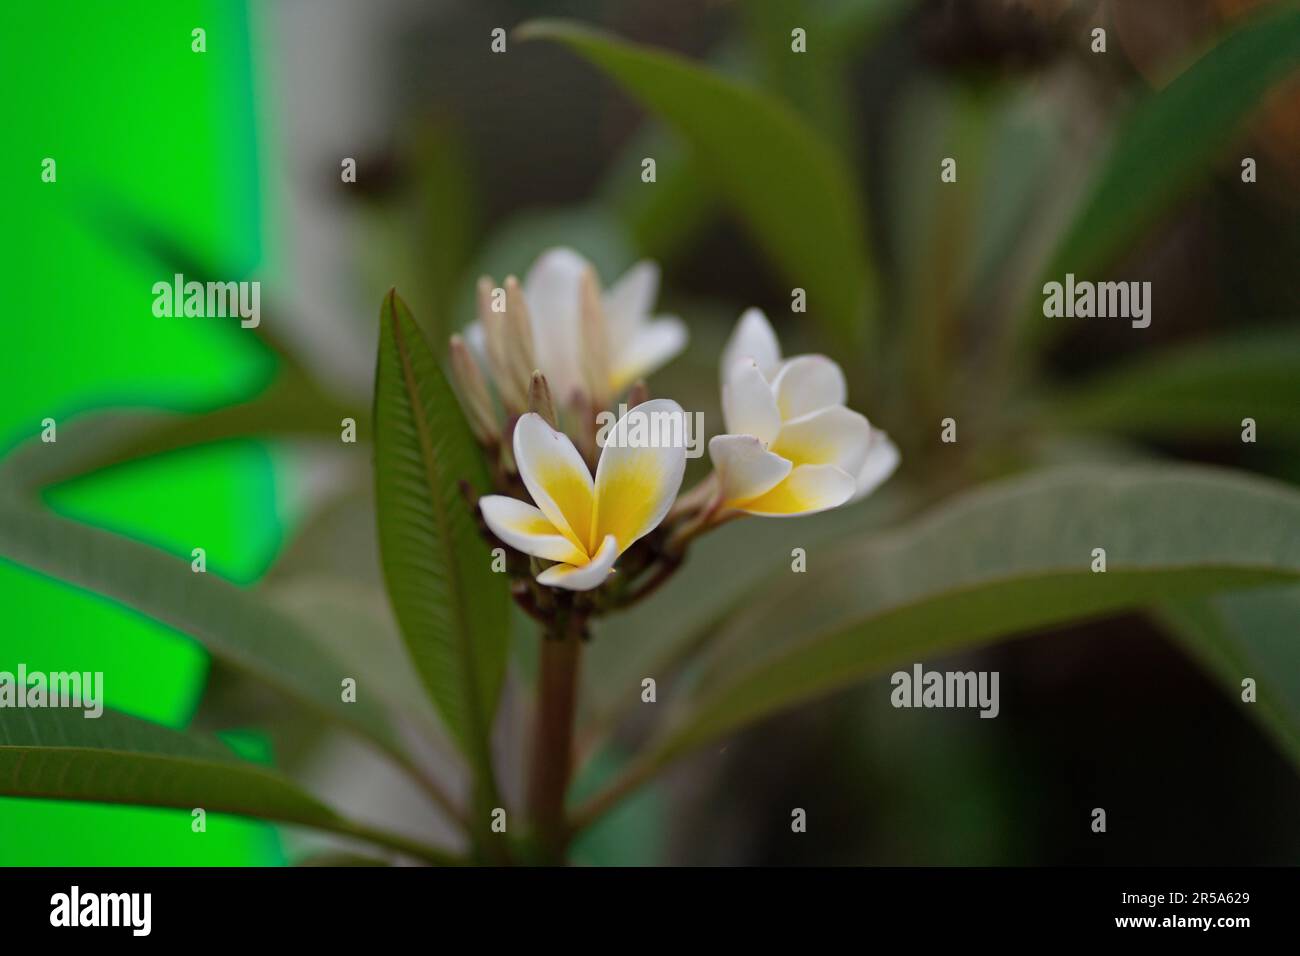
x: 1167, y: 140
x: 452, y: 609
x: 291, y: 407
x: 1200, y: 390
x: 234, y: 624
x: 997, y: 562
x: 57, y: 753
x: 792, y: 189
x: 1252, y: 634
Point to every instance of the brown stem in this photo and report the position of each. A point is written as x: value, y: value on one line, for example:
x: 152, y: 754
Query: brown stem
x: 553, y: 735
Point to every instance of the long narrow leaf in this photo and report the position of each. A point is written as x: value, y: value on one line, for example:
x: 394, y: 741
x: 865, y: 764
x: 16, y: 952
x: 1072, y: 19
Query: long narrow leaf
x: 792, y: 189
x: 453, y: 610
x: 1201, y: 390
x: 235, y: 625
x: 1252, y: 634
x: 998, y: 562
x: 1167, y: 141
x: 57, y: 753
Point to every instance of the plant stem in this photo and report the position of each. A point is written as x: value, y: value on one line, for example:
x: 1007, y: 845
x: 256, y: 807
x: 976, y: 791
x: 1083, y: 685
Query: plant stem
x: 553, y: 735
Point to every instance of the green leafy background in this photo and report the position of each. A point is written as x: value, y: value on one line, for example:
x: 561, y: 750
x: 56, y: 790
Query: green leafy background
x: 774, y: 170
x: 177, y: 136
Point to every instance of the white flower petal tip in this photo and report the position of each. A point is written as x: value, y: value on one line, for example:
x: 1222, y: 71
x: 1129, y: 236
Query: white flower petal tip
x: 752, y: 339
x: 644, y: 349
x: 527, y: 529
x: 583, y: 577
x: 749, y: 404
x: 808, y: 383
x: 881, y: 461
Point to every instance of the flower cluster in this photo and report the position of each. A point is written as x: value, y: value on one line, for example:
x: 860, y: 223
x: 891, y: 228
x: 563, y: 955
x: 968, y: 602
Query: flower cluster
x: 791, y: 446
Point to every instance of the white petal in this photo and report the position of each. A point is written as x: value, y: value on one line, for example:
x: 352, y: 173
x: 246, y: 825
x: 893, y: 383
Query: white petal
x: 556, y: 476
x: 882, y: 459
x: 551, y: 290
x: 754, y: 339
x: 746, y: 469
x: 585, y: 577
x: 748, y: 405
x: 640, y: 471
x: 831, y: 436
x: 527, y: 529
x: 652, y: 346
x: 808, y: 383
x: 630, y: 299
x: 809, y: 489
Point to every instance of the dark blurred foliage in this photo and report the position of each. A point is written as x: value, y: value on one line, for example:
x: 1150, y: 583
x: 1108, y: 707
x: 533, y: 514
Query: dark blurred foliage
x: 1099, y: 715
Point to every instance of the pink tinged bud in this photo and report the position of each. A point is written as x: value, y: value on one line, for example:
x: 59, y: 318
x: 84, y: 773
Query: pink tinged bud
x: 540, y: 400
x: 520, y: 352
x: 474, y: 397
x: 493, y: 316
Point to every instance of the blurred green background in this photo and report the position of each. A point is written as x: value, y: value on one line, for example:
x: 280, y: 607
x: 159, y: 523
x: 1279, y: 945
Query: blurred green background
x: 113, y: 93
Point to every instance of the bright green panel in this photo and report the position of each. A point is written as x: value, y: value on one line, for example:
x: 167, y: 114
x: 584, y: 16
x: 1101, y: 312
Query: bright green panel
x: 149, y: 670
x: 49, y: 833
x: 137, y: 123
x: 219, y: 498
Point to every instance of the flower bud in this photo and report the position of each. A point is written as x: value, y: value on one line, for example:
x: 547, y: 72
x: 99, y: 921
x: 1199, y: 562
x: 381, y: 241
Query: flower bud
x: 496, y: 337
x: 520, y: 354
x: 474, y: 397
x: 540, y: 400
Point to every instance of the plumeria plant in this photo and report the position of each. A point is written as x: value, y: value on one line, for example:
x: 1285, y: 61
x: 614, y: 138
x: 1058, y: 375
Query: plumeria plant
x: 586, y: 519
x: 504, y: 548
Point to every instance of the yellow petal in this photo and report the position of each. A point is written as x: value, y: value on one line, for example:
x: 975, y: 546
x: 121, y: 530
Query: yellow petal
x: 745, y: 467
x: 583, y: 577
x: 527, y: 529
x: 810, y: 488
x: 832, y: 436
x: 556, y: 477
x: 640, y: 470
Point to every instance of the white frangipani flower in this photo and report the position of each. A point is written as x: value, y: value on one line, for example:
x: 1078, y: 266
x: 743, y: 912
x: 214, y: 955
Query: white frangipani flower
x: 792, y: 447
x: 581, y: 524
x: 635, y: 344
